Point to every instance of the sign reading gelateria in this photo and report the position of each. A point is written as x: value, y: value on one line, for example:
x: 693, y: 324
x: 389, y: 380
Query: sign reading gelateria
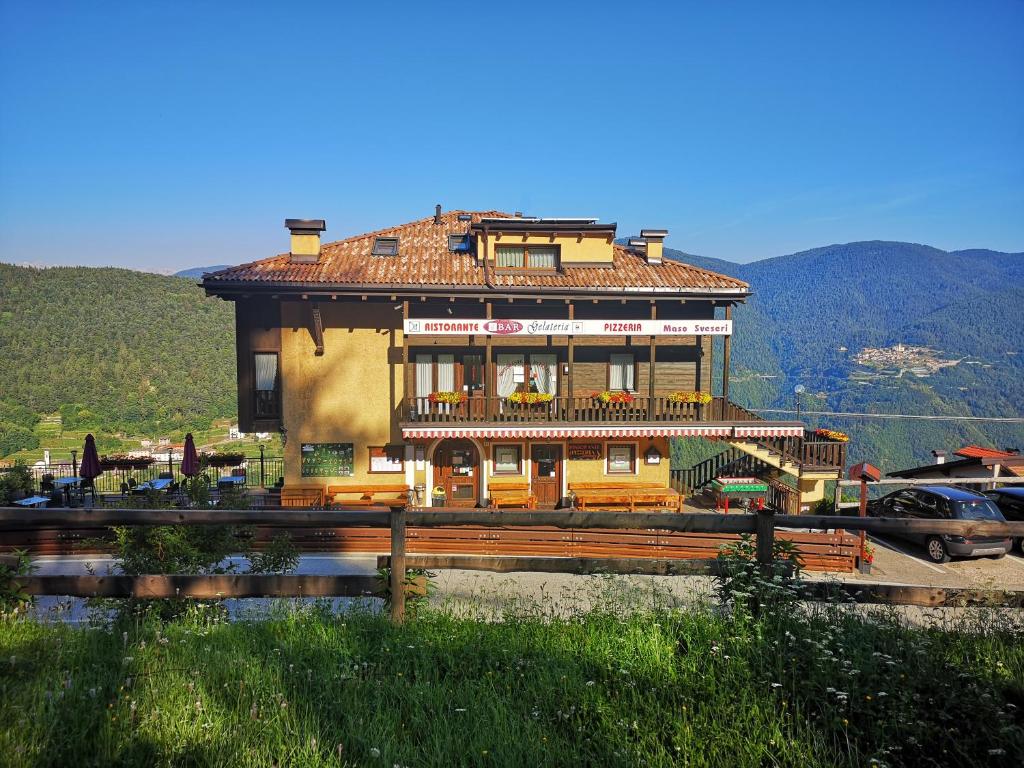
x: 454, y: 327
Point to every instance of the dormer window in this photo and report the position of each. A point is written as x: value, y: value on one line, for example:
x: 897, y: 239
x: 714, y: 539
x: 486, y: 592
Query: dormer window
x: 458, y: 243
x: 527, y: 257
x: 385, y: 246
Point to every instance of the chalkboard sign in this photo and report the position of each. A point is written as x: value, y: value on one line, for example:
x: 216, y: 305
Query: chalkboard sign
x: 326, y: 459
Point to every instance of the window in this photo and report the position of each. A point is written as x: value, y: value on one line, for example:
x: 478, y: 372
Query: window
x: 621, y: 459
x: 424, y: 375
x: 544, y: 374
x: 458, y: 243
x: 527, y: 256
x: 266, y: 403
x: 385, y: 246
x: 511, y: 373
x: 621, y: 373
x: 446, y: 373
x: 508, y: 459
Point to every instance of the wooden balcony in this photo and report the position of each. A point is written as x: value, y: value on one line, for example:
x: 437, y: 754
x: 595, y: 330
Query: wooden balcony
x: 573, y: 410
x: 806, y: 449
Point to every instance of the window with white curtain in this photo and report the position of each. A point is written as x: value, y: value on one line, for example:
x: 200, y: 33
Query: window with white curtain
x: 511, y: 373
x: 266, y: 404
x: 424, y: 375
x: 621, y: 373
x: 526, y: 257
x: 544, y: 373
x: 446, y: 373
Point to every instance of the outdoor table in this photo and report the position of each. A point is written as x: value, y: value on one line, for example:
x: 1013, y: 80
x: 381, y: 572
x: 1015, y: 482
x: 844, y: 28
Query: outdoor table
x: 32, y: 501
x: 231, y: 480
x: 726, y: 488
x: 65, y: 484
x: 159, y: 484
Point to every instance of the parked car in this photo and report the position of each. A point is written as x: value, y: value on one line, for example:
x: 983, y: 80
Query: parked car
x: 938, y: 502
x: 1010, y: 501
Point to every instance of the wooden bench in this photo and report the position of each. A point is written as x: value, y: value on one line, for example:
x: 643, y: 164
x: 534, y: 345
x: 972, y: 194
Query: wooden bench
x: 368, y: 495
x: 625, y: 495
x: 512, y: 494
x: 302, y: 496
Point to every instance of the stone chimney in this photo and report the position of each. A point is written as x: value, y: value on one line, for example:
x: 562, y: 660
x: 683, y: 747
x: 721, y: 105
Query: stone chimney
x: 305, y: 240
x: 655, y: 239
x: 940, y: 457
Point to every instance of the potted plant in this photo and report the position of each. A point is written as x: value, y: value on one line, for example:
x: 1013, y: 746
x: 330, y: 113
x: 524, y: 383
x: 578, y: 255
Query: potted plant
x: 867, y: 557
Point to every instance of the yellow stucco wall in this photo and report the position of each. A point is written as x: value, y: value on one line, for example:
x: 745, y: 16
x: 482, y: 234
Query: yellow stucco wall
x: 590, y: 249
x: 338, y: 397
x: 593, y: 471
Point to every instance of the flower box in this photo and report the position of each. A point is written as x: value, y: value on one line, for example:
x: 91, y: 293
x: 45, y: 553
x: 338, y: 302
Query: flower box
x: 613, y: 398
x: 530, y: 398
x: 223, y: 459
x: 120, y: 461
x: 448, y: 398
x: 697, y: 398
x: 833, y: 435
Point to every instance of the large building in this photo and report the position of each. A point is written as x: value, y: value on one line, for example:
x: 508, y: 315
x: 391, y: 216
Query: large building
x: 470, y: 348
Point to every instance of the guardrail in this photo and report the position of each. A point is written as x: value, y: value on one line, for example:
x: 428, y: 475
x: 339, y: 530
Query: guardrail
x: 762, y: 524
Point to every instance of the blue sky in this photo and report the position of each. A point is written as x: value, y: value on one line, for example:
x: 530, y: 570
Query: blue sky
x: 165, y: 135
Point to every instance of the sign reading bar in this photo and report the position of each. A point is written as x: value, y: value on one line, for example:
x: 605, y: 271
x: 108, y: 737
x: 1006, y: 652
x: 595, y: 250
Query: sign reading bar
x: 585, y: 451
x: 454, y: 327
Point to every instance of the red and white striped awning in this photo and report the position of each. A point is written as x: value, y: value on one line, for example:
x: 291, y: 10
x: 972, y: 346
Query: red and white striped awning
x: 611, y: 430
x: 768, y: 430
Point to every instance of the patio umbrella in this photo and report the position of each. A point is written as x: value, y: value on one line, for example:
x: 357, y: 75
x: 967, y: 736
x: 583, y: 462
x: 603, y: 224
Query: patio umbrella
x: 190, y: 460
x: 90, y: 468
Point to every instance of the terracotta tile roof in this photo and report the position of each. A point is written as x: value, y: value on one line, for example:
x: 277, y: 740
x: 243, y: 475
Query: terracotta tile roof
x: 424, y: 260
x: 977, y: 452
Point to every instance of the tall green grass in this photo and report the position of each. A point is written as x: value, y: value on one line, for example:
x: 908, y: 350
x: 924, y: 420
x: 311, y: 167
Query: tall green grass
x: 612, y: 686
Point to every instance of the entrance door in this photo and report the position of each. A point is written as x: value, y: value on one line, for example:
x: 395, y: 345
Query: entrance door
x: 546, y: 473
x: 457, y: 470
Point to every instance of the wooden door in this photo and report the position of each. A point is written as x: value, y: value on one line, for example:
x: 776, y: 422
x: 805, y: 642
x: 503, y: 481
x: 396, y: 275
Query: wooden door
x: 457, y: 470
x: 546, y: 473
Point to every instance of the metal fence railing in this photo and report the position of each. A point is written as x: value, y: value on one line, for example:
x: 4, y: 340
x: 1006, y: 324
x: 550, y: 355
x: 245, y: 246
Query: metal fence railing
x: 257, y: 471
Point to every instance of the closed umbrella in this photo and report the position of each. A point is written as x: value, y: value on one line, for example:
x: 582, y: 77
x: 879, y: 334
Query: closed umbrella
x: 190, y: 460
x: 90, y: 468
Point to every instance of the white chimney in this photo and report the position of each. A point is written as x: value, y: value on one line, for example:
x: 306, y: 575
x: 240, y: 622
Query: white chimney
x: 940, y: 457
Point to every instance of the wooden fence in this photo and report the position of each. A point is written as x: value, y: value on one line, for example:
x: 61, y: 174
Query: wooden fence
x: 764, y: 525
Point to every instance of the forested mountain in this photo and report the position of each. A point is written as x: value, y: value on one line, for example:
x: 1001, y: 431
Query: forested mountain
x: 121, y: 351
x: 812, y: 312
x: 111, y: 350
x: 197, y: 272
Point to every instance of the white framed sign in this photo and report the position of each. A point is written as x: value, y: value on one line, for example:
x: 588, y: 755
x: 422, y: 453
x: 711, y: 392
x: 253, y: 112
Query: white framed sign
x: 525, y: 327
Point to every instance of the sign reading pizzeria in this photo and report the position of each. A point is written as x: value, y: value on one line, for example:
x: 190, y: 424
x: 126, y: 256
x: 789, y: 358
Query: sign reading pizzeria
x: 584, y: 451
x: 454, y: 327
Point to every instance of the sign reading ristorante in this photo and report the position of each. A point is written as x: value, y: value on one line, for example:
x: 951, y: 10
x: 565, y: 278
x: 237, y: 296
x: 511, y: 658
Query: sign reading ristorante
x: 504, y: 327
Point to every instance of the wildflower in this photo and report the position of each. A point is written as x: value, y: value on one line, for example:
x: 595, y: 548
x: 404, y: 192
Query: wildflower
x: 374, y: 752
x: 460, y: 709
x: 590, y: 683
x: 776, y: 685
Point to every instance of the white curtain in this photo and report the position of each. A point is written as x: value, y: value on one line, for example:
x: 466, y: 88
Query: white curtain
x: 446, y: 373
x: 621, y: 372
x: 510, y: 372
x: 424, y: 375
x: 510, y: 255
x: 543, y: 256
x: 545, y: 372
x: 266, y: 372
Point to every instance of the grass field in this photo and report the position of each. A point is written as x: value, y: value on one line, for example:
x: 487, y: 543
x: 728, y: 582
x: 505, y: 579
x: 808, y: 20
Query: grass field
x: 617, y: 687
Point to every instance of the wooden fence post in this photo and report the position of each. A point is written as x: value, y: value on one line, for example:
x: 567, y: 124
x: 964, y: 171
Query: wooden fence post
x: 398, y: 564
x: 765, y: 538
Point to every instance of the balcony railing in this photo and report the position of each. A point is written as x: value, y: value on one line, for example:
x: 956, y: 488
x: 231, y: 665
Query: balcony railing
x: 561, y: 409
